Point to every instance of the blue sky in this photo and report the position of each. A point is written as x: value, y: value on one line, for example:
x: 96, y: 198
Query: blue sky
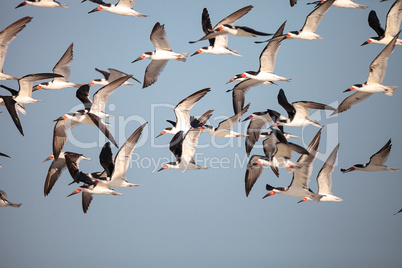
x: 199, y: 218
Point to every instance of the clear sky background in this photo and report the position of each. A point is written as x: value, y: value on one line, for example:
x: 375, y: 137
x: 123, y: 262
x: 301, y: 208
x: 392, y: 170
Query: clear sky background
x: 200, y: 218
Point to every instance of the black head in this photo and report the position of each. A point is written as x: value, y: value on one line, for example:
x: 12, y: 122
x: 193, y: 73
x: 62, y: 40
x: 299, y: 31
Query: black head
x: 229, y: 26
x: 274, y: 115
x: 269, y: 187
x: 360, y: 165
x: 252, y: 72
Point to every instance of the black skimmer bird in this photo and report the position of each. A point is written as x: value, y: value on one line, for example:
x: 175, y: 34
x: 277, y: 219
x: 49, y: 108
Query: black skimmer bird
x: 307, y: 32
x: 258, y: 121
x: 267, y: 59
x: 5, y: 203
x: 89, y: 190
x: 57, y: 167
x: 217, y: 45
x: 23, y: 96
x: 394, y: 18
x: 110, y: 76
x: 182, y: 113
x: 377, y: 70
x: 299, y: 185
x: 225, y: 26
x: 225, y: 127
x: 91, y: 115
x: 267, y: 62
x: 25, y: 83
x: 183, y: 148
x: 298, y: 112
x: 340, y: 3
x: 116, y: 169
x: 42, y: 3
x: 1, y: 154
x: 6, y: 36
x: 398, y: 211
x: 376, y: 162
x: 123, y: 7
x: 324, y: 179
x: 62, y: 68
x: 278, y: 152
x: 160, y: 57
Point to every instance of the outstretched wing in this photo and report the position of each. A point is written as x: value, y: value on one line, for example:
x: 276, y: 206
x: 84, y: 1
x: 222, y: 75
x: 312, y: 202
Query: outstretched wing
x: 153, y: 71
x: 10, y: 104
x: 351, y: 100
x: 62, y: 67
x: 123, y: 156
x: 102, y: 127
x: 190, y: 142
x: 158, y: 37
x: 324, y: 178
x: 8, y: 35
x: 232, y: 121
x: 102, y: 95
x: 380, y: 157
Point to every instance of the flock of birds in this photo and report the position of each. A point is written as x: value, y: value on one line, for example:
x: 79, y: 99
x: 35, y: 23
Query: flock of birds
x: 268, y: 125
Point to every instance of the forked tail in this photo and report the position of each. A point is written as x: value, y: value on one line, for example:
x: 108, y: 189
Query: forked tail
x: 390, y: 90
x: 183, y: 56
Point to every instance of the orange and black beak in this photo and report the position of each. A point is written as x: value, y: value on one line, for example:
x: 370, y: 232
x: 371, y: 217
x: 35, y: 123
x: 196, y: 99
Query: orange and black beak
x: 163, y: 168
x: 160, y: 134
x: 349, y: 89
x: 231, y: 80
x: 304, y: 199
x: 75, y: 192
x: 347, y: 170
x: 49, y: 158
x: 139, y: 58
x: 269, y: 194
x: 99, y: 8
x: 197, y: 52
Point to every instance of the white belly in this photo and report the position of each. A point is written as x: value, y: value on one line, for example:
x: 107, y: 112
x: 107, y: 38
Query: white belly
x: 165, y: 55
x: 305, y: 36
x: 263, y: 76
